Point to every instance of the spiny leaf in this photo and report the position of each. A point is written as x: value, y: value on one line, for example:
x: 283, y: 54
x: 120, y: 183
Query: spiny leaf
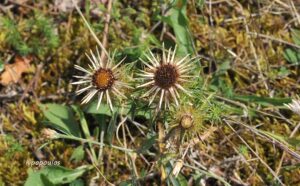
x: 61, y: 118
x: 296, y: 36
x: 295, y: 142
x: 78, y: 154
x: 262, y: 100
x: 291, y: 56
x: 147, y: 144
x: 92, y: 109
x: 111, y: 128
x: 54, y: 175
x: 178, y: 20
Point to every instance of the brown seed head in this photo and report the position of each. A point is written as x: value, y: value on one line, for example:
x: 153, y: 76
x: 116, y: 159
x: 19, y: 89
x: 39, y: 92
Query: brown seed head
x: 103, y: 79
x: 166, y: 76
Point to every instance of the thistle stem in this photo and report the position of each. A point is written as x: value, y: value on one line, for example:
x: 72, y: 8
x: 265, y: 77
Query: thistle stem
x: 94, y: 142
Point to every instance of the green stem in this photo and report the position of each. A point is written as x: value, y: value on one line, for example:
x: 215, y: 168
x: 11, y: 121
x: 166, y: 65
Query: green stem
x: 86, y: 131
x: 94, y: 142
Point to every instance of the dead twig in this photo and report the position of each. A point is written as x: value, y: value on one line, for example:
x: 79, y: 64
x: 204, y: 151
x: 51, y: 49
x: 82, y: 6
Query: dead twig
x: 255, y: 153
x: 284, y: 153
x: 106, y: 29
x: 194, y: 141
x: 274, y: 39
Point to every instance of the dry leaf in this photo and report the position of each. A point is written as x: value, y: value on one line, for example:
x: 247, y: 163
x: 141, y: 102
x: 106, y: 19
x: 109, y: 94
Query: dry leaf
x: 13, y: 72
x: 65, y: 5
x: 68, y: 6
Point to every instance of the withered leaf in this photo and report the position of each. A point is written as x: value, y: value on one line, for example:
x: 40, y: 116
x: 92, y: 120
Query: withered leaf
x: 13, y: 72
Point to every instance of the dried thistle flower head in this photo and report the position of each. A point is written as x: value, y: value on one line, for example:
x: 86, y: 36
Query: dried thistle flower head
x: 294, y: 106
x: 101, y: 79
x: 165, y: 76
x: 49, y: 133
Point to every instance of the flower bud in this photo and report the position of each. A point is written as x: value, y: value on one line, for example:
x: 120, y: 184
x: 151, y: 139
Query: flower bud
x: 49, y: 133
x: 187, y: 121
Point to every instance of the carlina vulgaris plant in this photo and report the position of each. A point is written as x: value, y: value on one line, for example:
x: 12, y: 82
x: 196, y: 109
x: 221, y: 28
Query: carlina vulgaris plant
x: 185, y: 125
x: 165, y: 76
x: 177, y: 128
x: 103, y: 77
